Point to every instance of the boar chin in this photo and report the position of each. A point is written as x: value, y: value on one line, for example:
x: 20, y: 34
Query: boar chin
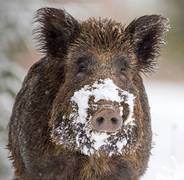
x: 74, y: 130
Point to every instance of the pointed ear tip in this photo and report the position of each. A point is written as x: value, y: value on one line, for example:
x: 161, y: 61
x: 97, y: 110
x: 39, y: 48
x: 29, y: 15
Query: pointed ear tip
x: 41, y: 13
x: 158, y: 19
x: 165, y: 22
x: 161, y: 18
x: 43, y: 10
x: 49, y: 11
x: 145, y: 19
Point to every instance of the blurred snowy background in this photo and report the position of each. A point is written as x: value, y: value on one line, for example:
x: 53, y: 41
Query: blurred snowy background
x: 165, y: 88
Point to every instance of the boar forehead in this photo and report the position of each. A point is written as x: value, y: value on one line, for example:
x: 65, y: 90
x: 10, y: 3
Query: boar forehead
x: 101, y: 42
x: 103, y: 35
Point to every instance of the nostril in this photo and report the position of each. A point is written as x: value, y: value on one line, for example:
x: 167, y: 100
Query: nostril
x: 100, y: 120
x: 114, y: 120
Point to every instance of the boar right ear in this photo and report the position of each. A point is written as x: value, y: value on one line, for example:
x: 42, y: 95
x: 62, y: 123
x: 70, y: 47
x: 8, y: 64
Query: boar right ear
x: 146, y: 34
x: 56, y: 30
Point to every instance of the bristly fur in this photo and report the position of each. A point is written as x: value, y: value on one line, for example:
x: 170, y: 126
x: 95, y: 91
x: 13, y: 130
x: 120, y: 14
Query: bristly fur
x: 146, y: 34
x: 56, y: 30
x: 102, y: 34
x: 50, y: 83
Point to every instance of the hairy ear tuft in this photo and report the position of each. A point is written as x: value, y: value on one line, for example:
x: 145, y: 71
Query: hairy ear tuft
x: 55, y: 30
x: 146, y: 34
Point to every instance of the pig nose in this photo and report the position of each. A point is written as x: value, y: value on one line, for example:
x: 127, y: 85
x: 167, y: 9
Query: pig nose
x: 107, y: 120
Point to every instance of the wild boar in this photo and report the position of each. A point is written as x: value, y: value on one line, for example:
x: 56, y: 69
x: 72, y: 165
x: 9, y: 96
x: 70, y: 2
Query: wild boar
x: 82, y: 112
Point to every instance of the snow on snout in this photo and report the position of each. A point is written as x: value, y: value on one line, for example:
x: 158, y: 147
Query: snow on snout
x: 101, y: 89
x: 86, y: 140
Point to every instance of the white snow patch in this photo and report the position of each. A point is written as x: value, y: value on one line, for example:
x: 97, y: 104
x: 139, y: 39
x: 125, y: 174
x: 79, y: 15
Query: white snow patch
x: 121, y: 110
x: 99, y: 138
x: 121, y: 144
x: 102, y: 89
x: 167, y: 159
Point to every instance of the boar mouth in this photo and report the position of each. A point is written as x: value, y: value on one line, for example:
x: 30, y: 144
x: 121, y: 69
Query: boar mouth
x: 75, y: 132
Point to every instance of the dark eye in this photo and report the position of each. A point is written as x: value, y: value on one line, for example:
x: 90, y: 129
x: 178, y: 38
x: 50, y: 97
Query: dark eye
x: 123, y: 64
x: 82, y: 64
x: 82, y: 67
x: 85, y: 64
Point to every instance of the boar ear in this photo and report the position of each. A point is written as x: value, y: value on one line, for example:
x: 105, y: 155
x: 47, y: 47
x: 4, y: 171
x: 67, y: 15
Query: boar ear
x: 146, y: 34
x: 55, y: 30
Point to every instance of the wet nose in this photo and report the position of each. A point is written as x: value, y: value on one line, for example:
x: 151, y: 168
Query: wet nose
x: 107, y: 120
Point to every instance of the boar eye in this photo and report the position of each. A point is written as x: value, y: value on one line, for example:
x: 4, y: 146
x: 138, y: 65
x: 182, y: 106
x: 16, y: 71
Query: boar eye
x: 85, y: 64
x: 123, y: 64
x: 82, y: 64
x: 81, y: 67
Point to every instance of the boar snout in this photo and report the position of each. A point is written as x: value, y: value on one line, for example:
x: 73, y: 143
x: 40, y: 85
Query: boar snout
x: 106, y: 120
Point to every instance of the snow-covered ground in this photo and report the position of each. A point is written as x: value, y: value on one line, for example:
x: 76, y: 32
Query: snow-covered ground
x: 167, y: 108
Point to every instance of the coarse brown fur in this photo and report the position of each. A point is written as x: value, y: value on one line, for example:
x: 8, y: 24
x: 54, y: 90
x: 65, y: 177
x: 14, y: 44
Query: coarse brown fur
x: 77, y: 54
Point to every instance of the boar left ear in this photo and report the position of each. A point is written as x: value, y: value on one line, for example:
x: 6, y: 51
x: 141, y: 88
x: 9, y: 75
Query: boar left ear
x: 146, y: 34
x: 55, y: 31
